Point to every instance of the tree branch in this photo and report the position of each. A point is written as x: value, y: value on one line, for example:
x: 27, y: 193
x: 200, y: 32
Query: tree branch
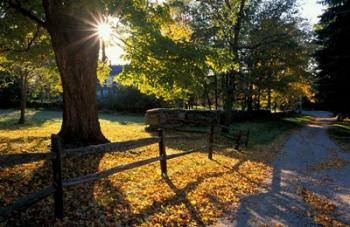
x: 27, y: 13
x: 267, y: 40
x: 29, y: 45
x: 36, y: 34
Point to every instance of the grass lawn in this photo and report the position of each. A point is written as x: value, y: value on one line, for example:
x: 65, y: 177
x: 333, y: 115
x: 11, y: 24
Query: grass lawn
x: 340, y: 133
x: 266, y: 131
x: 197, y: 192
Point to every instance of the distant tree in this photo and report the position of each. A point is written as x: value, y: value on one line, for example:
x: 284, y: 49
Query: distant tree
x: 26, y: 48
x: 219, y: 24
x: 276, y: 59
x: 33, y: 76
x: 45, y: 84
x: 334, y: 56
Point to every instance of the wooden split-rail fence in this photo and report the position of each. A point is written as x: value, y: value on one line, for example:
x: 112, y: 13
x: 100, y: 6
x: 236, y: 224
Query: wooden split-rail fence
x: 58, y: 153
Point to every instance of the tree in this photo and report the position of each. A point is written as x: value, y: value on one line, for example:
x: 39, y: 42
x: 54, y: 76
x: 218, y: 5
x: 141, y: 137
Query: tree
x: 71, y: 26
x: 45, y: 84
x: 333, y: 57
x: 276, y: 59
x: 33, y: 74
x: 220, y: 24
x: 228, y: 28
x: 19, y: 36
x: 163, y: 59
x: 255, y: 48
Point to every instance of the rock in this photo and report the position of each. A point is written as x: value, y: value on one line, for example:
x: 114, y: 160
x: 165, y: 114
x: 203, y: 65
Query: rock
x: 163, y: 117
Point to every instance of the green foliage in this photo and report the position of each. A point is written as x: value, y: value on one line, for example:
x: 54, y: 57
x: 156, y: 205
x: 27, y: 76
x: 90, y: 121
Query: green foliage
x: 163, y: 59
x: 278, y: 60
x: 257, y: 49
x: 103, y: 72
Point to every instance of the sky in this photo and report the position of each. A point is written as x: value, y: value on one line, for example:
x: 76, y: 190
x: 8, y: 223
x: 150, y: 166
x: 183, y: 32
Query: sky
x: 309, y: 9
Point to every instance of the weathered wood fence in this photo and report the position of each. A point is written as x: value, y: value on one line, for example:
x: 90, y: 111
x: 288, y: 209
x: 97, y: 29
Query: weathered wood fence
x: 57, y: 155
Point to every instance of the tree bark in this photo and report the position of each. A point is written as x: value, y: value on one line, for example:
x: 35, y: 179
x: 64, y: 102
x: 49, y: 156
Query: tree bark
x: 229, y: 90
x: 207, y: 95
x: 269, y: 98
x: 24, y: 78
x: 216, y: 91
x: 250, y: 98
x: 76, y: 48
x: 257, y: 104
x: 228, y: 99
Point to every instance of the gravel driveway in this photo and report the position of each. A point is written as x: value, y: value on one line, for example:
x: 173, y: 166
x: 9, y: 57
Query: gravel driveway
x: 280, y: 203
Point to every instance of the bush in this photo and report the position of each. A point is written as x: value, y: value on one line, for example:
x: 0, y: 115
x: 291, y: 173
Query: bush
x: 9, y: 95
x: 128, y: 99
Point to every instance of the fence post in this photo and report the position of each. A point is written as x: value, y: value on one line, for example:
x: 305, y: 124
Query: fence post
x: 211, y: 141
x: 162, y: 153
x: 56, y: 147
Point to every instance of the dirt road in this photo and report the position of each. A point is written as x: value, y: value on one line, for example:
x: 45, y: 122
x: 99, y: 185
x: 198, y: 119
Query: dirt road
x: 309, y: 161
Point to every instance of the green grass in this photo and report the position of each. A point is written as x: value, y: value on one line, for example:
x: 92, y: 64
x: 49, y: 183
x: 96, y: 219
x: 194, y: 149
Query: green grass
x: 265, y: 131
x: 340, y: 133
x: 42, y: 123
x: 34, y: 135
x: 9, y: 117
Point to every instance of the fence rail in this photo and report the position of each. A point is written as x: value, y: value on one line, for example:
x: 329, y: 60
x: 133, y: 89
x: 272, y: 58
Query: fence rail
x: 110, y: 147
x: 58, y: 153
x: 108, y: 172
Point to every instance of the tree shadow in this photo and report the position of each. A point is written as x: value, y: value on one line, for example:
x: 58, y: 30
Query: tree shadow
x: 282, y: 203
x: 122, y: 118
x: 181, y: 197
x: 9, y: 118
x: 275, y: 207
x: 80, y: 204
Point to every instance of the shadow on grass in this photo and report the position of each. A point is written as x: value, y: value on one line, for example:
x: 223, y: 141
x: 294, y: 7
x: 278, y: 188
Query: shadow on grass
x: 181, y: 197
x: 36, y: 118
x: 122, y: 118
x: 81, y: 206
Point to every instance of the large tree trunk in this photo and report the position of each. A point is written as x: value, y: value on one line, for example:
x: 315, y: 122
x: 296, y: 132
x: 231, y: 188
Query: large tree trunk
x: 23, y: 98
x: 76, y: 47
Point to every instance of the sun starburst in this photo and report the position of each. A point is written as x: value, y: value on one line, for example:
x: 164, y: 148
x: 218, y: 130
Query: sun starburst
x: 104, y: 31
